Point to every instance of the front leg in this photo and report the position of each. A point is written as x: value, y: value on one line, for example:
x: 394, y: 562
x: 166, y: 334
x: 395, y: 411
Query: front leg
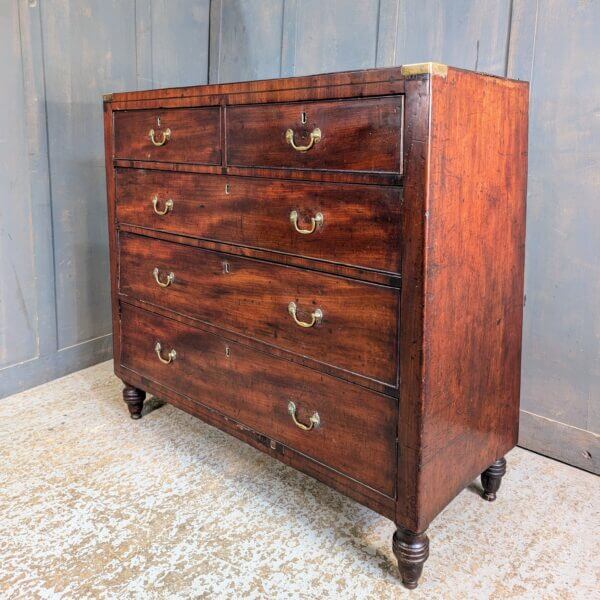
x: 491, y: 479
x: 411, y: 550
x: 134, y: 398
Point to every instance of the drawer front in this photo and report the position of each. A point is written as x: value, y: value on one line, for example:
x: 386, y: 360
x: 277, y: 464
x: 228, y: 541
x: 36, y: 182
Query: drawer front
x: 344, y: 135
x: 357, y: 331
x: 349, y: 224
x: 183, y: 135
x: 356, y: 429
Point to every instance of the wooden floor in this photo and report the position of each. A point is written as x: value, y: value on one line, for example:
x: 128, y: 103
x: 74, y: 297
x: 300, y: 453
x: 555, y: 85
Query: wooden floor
x: 95, y: 505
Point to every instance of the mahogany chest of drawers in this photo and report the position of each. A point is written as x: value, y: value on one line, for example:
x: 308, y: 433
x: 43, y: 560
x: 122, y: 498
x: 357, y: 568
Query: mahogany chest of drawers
x: 331, y: 269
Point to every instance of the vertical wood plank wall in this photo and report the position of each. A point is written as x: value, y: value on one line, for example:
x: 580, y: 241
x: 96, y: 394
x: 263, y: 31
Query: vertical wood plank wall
x: 57, y: 58
x: 62, y: 55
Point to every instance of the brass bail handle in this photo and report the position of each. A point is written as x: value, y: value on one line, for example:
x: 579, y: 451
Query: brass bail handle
x: 314, y: 420
x: 315, y: 317
x: 171, y: 356
x: 315, y: 222
x: 166, y: 136
x: 168, y: 206
x: 315, y: 138
x: 163, y: 284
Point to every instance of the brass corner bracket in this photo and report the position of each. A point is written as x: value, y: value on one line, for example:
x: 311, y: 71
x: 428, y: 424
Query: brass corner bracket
x: 427, y: 68
x: 107, y: 97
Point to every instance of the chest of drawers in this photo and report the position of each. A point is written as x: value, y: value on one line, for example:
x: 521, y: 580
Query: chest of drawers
x: 330, y: 268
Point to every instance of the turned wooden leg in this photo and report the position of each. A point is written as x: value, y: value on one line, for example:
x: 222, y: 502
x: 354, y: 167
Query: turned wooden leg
x: 411, y: 550
x: 491, y: 479
x: 134, y: 398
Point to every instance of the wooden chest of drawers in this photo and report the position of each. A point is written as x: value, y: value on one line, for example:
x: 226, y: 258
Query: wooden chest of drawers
x: 331, y: 269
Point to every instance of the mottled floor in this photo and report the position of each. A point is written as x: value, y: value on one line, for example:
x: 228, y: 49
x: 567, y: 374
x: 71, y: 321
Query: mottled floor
x: 95, y: 505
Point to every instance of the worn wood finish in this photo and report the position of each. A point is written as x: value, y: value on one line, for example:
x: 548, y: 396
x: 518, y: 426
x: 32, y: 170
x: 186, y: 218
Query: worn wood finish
x: 358, y: 331
x: 255, y: 389
x: 134, y: 398
x: 411, y: 551
x: 185, y: 135
x: 357, y: 135
x: 449, y: 336
x: 491, y: 479
x: 460, y: 396
x: 360, y: 223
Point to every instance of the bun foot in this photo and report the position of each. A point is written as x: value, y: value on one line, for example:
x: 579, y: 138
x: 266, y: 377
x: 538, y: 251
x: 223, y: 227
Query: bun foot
x: 491, y: 479
x: 134, y: 398
x: 411, y: 550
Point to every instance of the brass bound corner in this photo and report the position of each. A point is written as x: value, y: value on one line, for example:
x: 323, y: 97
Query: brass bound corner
x: 431, y: 68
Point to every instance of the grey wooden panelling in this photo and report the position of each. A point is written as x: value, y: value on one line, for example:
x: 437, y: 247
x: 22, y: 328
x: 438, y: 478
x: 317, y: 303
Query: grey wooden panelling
x: 249, y: 46
x: 471, y: 34
x: 552, y: 43
x: 57, y: 58
x: 172, y: 42
x: 18, y: 322
x: 561, y: 366
x: 335, y: 35
x: 89, y: 47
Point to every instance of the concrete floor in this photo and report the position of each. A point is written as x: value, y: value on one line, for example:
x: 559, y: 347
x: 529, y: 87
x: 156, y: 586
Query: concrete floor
x: 95, y: 505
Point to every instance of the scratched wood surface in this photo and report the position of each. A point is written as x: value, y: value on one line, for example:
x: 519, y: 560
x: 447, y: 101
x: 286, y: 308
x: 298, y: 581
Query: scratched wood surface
x: 140, y: 44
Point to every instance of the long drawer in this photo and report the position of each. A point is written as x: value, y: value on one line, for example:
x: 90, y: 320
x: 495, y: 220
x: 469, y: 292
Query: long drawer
x: 350, y: 429
x: 350, y: 224
x: 345, y: 323
x: 184, y: 135
x: 362, y: 135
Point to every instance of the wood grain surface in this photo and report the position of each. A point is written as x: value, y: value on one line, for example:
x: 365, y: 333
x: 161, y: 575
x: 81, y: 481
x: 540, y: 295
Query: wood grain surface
x: 255, y: 389
x: 360, y: 223
x: 358, y: 332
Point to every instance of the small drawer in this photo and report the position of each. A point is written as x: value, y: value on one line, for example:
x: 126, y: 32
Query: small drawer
x: 347, y: 324
x: 363, y: 135
x: 341, y: 425
x: 182, y: 135
x: 348, y: 224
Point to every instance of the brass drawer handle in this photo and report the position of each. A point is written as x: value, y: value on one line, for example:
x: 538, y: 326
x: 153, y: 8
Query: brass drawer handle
x: 166, y: 136
x: 316, y: 316
x: 171, y: 356
x: 315, y: 137
x: 316, y: 221
x: 168, y: 206
x: 163, y: 284
x: 315, y: 420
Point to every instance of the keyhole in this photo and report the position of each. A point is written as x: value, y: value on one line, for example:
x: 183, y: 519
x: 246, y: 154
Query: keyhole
x: 227, y: 188
x: 158, y: 121
x: 303, y: 118
x: 227, y: 351
x: 226, y: 267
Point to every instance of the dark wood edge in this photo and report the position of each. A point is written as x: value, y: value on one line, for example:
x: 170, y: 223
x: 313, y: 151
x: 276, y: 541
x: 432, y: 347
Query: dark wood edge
x: 345, y: 177
x: 363, y: 494
x: 112, y: 228
x: 261, y: 346
x: 363, y: 274
x: 366, y: 79
x: 386, y: 75
x: 416, y: 134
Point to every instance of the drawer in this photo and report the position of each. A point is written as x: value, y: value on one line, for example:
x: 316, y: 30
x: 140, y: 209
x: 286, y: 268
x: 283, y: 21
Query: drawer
x: 358, y: 225
x: 356, y: 430
x: 357, y: 331
x: 344, y: 135
x: 183, y: 135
